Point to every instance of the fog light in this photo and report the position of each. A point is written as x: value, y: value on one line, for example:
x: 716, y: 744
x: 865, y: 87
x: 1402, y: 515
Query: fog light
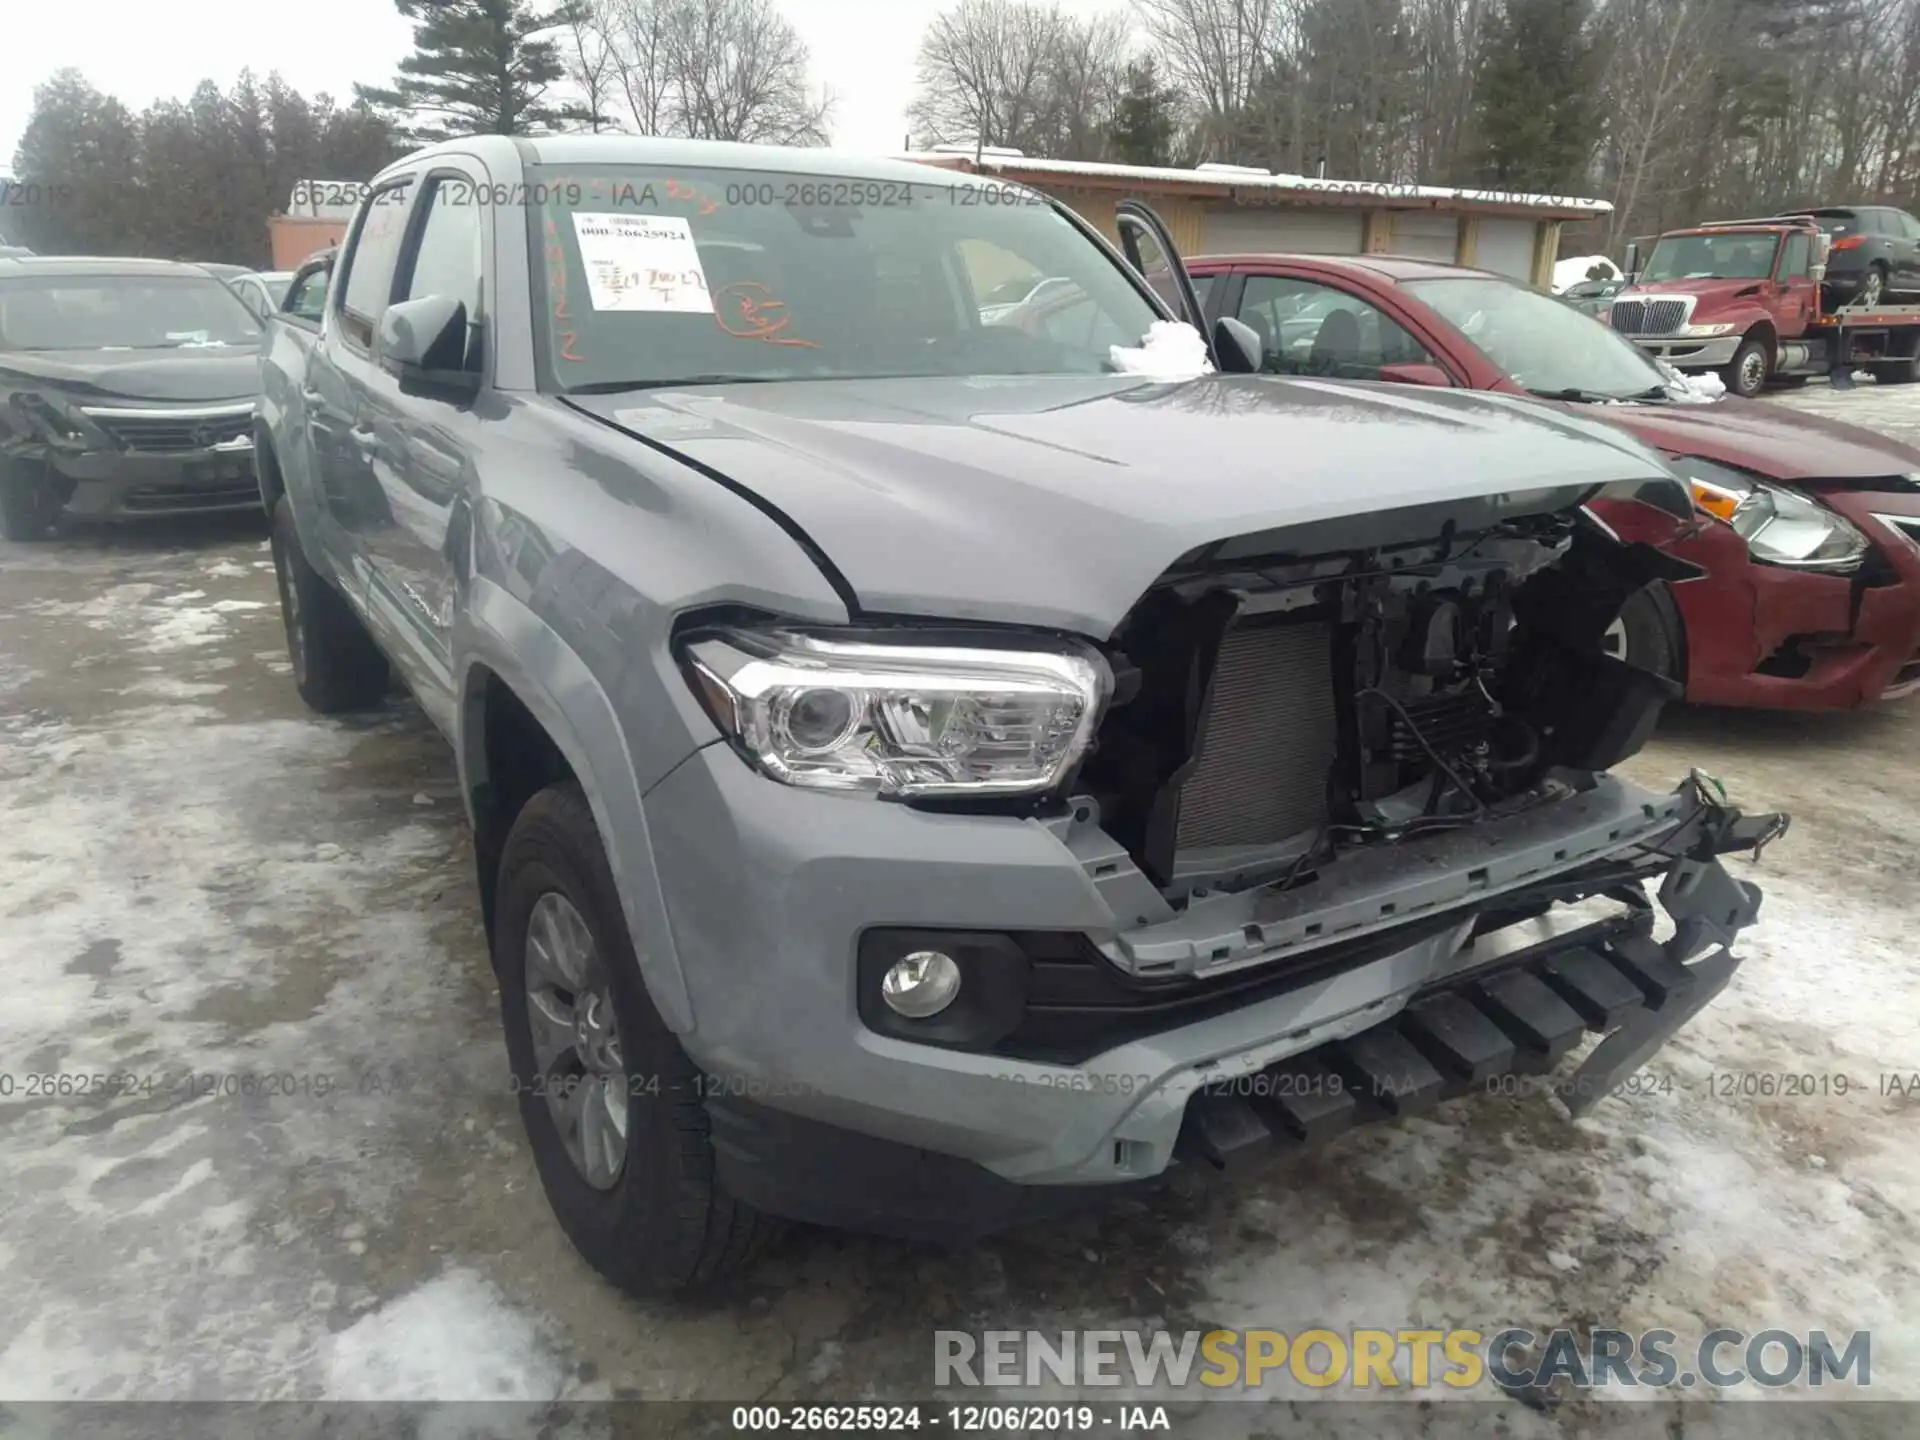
x: 921, y: 984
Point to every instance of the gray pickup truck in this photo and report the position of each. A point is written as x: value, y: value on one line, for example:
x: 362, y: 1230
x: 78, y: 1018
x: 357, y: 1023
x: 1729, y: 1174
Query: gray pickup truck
x: 929, y: 770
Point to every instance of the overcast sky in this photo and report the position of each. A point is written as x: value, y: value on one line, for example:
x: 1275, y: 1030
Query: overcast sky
x: 140, y: 51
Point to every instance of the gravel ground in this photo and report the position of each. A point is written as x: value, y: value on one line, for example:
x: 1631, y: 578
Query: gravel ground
x: 203, y: 878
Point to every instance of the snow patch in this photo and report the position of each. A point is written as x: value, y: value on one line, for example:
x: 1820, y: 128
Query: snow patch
x: 454, y: 1339
x: 1172, y: 350
x: 1692, y: 389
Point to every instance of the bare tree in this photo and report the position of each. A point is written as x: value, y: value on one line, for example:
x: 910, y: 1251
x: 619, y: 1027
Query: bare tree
x: 740, y: 73
x: 638, y: 39
x: 1659, y: 66
x: 710, y: 70
x: 589, y: 62
x: 1218, y: 52
x: 985, y: 68
x: 1086, y: 79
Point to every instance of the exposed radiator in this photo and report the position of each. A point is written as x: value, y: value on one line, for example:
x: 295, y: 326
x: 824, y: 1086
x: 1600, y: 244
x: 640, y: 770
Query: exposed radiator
x: 1270, y: 742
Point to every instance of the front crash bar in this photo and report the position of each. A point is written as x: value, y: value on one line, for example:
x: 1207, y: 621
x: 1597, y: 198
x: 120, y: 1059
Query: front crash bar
x: 1527, y: 1009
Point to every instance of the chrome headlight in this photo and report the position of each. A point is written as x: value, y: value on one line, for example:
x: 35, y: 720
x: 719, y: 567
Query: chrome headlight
x: 1702, y: 332
x: 1780, y: 526
x: 902, y: 719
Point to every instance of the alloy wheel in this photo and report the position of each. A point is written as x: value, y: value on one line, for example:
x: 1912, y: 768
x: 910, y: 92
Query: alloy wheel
x: 1870, y: 290
x: 1613, y: 641
x: 576, y: 1040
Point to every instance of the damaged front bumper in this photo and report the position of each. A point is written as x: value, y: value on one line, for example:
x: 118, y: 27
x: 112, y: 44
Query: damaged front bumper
x: 819, y: 1117
x: 1499, y: 1011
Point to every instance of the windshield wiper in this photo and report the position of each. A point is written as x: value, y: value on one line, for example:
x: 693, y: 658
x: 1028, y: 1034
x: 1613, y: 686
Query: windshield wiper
x: 1576, y: 396
x: 617, y: 387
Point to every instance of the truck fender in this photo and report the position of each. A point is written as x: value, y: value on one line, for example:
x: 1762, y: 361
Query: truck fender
x: 280, y: 438
x: 499, y: 633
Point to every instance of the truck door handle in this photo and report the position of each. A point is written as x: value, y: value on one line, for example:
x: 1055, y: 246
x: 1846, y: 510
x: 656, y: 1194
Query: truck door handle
x: 364, y: 440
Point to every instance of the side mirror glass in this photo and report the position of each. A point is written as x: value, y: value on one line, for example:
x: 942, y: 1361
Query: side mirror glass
x: 1238, y: 346
x: 424, y: 344
x: 1416, y: 374
x: 1632, y: 268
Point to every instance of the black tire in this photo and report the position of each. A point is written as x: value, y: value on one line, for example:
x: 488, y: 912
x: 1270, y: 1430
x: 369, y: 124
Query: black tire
x: 1649, y: 634
x: 1746, y: 374
x: 664, y: 1225
x: 27, y: 508
x: 1873, y: 287
x: 336, y: 665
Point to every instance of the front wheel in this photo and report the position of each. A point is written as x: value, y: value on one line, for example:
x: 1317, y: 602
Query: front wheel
x: 1646, y: 634
x: 27, y: 507
x: 611, y: 1103
x: 1746, y: 374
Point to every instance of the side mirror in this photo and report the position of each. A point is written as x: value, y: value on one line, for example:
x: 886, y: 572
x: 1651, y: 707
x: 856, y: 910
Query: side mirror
x: 1419, y: 373
x: 1238, y: 345
x: 424, y: 344
x: 1632, y: 268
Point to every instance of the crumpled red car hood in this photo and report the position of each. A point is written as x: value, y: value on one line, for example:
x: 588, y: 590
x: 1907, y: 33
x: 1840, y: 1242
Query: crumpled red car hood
x: 1767, y: 439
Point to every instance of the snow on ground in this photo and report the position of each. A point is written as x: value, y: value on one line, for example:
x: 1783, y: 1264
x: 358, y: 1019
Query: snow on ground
x: 1890, y: 409
x: 211, y: 891
x: 456, y: 1338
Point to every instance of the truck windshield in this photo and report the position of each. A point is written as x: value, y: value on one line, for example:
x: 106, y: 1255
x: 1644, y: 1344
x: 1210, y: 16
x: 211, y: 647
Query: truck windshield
x: 121, y: 312
x: 650, y: 276
x: 1542, y: 344
x: 1737, y: 255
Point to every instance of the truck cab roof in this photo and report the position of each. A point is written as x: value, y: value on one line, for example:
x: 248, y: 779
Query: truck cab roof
x: 712, y: 154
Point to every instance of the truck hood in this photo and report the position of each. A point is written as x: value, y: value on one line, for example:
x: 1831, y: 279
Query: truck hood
x: 1768, y: 439
x: 1710, y: 290
x: 1058, y: 501
x: 103, y: 376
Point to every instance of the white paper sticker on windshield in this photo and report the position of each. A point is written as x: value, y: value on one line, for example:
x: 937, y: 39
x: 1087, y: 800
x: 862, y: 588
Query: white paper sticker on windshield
x: 641, y: 262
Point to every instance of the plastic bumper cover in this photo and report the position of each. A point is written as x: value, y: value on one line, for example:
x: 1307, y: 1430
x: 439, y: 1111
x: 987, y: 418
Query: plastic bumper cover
x: 1690, y: 354
x: 768, y: 889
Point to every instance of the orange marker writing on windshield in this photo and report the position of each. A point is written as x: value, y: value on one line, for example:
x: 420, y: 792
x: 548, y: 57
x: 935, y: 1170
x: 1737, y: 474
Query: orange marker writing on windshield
x: 748, y: 310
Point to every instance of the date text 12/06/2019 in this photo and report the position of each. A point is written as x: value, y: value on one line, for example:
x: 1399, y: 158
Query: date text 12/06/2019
x: 960, y: 1419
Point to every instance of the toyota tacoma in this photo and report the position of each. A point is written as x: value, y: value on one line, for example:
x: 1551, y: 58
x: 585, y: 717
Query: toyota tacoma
x: 926, y: 772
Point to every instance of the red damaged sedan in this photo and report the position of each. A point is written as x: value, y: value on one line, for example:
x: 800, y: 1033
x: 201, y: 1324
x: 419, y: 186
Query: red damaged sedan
x: 1809, y: 529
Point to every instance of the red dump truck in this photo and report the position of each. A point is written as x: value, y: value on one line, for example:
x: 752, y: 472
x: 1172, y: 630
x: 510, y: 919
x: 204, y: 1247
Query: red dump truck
x: 1743, y: 299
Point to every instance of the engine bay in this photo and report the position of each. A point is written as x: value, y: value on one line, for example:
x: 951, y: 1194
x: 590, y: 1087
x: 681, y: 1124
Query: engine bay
x: 1272, y: 715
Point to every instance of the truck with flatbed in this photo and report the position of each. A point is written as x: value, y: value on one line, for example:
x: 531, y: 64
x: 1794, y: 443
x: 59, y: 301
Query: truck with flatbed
x: 1745, y: 299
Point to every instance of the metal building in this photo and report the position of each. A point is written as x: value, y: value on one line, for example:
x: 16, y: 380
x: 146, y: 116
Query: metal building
x: 1231, y: 209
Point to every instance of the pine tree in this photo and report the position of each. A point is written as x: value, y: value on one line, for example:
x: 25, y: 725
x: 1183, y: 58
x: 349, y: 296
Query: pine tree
x: 1144, y: 123
x: 479, y: 67
x: 1534, y: 98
